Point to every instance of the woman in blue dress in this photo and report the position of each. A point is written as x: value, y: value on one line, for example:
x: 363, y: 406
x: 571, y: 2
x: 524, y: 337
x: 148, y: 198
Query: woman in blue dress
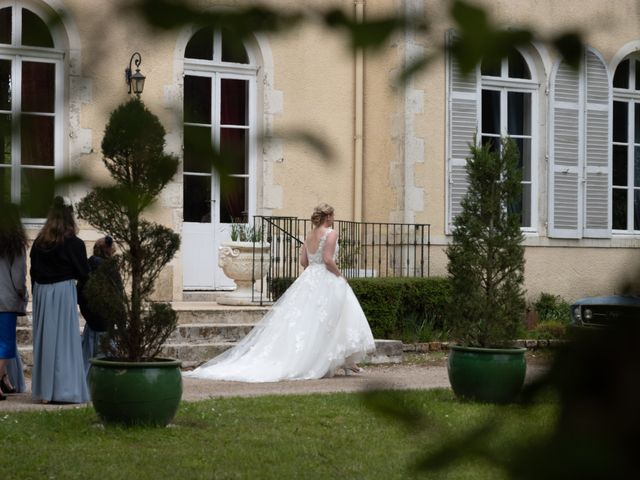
x: 13, y: 297
x: 58, y: 260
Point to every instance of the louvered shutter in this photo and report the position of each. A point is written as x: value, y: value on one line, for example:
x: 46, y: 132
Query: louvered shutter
x: 597, y: 219
x: 463, y: 97
x: 565, y: 136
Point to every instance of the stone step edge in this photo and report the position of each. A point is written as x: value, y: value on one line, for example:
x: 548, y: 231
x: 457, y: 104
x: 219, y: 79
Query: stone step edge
x: 419, y: 347
x: 216, y: 324
x: 215, y: 307
x: 188, y: 305
x: 380, y: 343
x: 183, y: 325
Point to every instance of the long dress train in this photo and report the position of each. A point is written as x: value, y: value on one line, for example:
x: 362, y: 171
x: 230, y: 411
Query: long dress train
x: 312, y: 330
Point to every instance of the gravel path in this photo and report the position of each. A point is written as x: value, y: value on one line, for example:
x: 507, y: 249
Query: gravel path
x: 391, y: 376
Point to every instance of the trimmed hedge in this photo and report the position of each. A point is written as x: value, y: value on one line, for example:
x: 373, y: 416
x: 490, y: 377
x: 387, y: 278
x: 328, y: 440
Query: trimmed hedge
x: 408, y: 309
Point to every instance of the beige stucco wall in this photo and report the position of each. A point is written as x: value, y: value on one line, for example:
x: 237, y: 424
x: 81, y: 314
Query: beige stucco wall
x: 306, y: 82
x: 314, y: 70
x: 569, y: 268
x: 570, y: 272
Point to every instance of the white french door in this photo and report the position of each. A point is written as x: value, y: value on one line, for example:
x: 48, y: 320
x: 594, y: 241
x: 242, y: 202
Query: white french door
x: 218, y: 170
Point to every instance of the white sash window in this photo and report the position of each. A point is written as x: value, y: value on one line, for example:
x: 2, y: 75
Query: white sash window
x: 31, y: 106
x: 494, y: 101
x: 625, y: 181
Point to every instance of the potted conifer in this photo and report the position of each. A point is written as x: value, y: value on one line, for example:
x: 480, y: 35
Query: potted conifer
x: 133, y: 385
x: 486, y: 268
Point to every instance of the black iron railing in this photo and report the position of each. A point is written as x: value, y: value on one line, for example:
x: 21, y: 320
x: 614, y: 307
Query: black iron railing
x: 366, y: 249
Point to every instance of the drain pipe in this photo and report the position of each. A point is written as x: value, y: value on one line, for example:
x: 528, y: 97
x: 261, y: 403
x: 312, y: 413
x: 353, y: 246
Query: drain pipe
x: 358, y: 121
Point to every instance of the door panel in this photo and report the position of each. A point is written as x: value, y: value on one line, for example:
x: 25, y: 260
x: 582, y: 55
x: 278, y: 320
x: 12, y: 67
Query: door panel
x: 216, y: 116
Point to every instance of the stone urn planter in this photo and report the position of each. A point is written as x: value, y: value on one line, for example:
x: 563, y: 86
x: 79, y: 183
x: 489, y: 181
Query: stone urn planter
x: 244, y: 263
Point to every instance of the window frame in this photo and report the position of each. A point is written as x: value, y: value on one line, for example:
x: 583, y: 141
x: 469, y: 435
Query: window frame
x: 631, y: 98
x: 17, y: 54
x: 217, y: 70
x: 504, y: 85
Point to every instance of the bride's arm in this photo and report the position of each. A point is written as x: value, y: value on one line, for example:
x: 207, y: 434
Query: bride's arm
x: 304, y: 260
x: 327, y: 254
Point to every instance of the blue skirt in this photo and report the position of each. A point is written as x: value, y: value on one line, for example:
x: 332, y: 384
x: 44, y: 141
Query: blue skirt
x: 58, y: 369
x: 90, y: 345
x: 15, y: 372
x: 8, y: 334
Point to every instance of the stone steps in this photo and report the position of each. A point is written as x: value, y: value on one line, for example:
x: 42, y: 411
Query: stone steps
x: 197, y: 333
x: 192, y: 355
x: 184, y: 333
x: 206, y: 329
x: 212, y: 313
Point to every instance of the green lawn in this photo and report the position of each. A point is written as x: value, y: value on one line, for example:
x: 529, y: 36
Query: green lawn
x: 273, y: 437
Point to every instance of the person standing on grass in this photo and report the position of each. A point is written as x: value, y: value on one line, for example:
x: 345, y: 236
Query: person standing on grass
x: 13, y: 294
x: 58, y: 260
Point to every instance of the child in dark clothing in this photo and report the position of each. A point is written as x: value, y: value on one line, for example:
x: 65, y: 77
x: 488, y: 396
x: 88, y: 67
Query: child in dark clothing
x: 96, y: 324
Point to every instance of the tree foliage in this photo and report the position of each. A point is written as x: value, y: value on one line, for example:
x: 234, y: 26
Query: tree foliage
x: 133, y: 153
x: 486, y: 256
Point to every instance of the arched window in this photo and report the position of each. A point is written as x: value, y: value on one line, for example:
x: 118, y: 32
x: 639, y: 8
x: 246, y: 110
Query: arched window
x: 507, y: 91
x: 218, y: 87
x: 495, y: 100
x: 31, y: 92
x: 219, y: 169
x: 625, y: 181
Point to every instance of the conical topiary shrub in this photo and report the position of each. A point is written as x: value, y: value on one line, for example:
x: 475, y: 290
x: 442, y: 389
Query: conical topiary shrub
x: 486, y: 268
x: 486, y: 256
x: 133, y: 153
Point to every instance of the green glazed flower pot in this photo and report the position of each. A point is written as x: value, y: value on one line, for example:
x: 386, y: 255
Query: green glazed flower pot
x: 492, y: 375
x: 131, y: 393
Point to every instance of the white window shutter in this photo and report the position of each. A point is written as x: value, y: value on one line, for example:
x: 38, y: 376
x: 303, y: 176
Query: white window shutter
x: 597, y: 216
x: 566, y: 143
x: 463, y: 97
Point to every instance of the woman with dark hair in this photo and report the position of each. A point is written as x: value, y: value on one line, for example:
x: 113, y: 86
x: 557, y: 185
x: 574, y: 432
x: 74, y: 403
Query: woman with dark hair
x: 13, y: 294
x: 58, y: 260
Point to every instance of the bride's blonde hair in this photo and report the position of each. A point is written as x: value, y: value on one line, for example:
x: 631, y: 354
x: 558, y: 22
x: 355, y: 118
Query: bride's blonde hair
x: 320, y: 213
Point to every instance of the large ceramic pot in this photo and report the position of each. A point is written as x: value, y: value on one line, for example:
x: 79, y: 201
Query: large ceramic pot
x: 494, y: 375
x: 133, y: 393
x: 237, y: 260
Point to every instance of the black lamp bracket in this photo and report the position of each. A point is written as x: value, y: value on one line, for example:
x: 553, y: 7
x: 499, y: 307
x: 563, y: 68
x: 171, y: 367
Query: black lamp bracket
x: 136, y: 59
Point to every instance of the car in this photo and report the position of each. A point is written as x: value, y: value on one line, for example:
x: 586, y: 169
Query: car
x: 605, y: 311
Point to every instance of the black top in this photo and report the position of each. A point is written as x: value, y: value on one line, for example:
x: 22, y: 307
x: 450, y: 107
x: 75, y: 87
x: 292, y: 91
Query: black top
x: 57, y: 263
x: 97, y: 321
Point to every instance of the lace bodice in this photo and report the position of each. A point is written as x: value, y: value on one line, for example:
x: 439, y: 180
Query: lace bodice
x: 316, y: 258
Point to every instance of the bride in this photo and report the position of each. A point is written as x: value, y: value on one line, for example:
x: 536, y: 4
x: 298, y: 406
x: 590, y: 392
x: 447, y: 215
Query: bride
x: 316, y: 328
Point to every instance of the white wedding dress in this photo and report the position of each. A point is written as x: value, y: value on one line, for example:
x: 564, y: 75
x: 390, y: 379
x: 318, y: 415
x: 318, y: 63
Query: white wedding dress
x: 315, y: 328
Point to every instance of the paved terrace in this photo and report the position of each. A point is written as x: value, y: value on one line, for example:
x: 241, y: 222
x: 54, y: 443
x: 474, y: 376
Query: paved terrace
x: 401, y: 376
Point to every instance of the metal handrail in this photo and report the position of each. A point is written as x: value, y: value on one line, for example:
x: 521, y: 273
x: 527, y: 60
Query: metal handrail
x: 367, y: 249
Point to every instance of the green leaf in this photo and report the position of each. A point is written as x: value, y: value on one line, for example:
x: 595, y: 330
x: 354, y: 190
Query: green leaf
x: 570, y: 46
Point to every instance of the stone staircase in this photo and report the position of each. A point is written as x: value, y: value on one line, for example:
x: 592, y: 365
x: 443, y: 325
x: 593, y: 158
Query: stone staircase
x: 206, y: 329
